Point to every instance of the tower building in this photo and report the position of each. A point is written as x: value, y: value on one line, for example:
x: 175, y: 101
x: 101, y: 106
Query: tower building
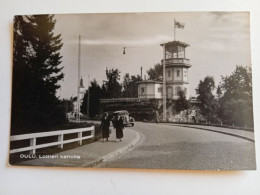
x: 176, y: 69
x: 176, y: 74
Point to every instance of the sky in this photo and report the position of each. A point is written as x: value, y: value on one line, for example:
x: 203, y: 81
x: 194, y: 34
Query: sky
x: 218, y: 42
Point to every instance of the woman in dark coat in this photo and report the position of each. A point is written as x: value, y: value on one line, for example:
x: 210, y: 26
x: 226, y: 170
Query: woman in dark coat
x: 119, y: 126
x: 105, y: 124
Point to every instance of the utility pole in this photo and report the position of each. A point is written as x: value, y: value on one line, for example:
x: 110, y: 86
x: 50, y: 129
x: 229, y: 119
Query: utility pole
x: 141, y: 72
x: 78, y: 98
x: 174, y: 31
x: 88, y: 96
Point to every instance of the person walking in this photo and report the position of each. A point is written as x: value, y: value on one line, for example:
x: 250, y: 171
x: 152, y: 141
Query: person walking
x: 105, y: 124
x: 156, y: 116
x: 119, y: 126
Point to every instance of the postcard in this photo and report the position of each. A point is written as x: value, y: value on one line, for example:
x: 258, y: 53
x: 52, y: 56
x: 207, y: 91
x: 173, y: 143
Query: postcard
x: 168, y: 90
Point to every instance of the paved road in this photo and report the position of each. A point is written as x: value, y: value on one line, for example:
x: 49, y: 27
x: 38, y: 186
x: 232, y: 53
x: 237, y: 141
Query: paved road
x: 164, y: 146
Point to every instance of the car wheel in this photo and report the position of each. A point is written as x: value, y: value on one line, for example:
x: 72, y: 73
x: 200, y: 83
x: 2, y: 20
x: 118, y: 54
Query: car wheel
x: 133, y: 124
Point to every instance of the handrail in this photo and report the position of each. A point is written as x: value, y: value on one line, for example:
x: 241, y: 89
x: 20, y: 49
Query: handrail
x: 60, y: 142
x: 177, y: 60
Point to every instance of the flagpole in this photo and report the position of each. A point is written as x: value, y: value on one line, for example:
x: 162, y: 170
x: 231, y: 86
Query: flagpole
x: 174, y: 31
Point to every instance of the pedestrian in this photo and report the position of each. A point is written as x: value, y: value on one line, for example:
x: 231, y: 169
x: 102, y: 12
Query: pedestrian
x: 156, y: 117
x: 119, y: 126
x: 105, y: 124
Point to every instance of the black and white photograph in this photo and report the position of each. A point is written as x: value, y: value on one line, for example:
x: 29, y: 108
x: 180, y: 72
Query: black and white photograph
x: 146, y: 90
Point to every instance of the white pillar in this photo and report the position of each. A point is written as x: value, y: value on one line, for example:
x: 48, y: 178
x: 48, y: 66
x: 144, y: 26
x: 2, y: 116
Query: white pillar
x: 80, y: 136
x: 33, y: 144
x: 60, y: 139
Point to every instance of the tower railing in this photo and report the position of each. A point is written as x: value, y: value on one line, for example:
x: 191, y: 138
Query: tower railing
x: 177, y: 60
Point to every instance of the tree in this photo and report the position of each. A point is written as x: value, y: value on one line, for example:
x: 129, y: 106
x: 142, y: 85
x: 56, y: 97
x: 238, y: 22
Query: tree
x: 208, y: 104
x: 104, y: 92
x: 94, y: 99
x: 238, y: 84
x: 156, y: 73
x: 181, y: 103
x: 21, y: 72
x: 68, y: 104
x: 130, y: 89
x: 37, y: 72
x: 236, y: 106
x: 112, y: 88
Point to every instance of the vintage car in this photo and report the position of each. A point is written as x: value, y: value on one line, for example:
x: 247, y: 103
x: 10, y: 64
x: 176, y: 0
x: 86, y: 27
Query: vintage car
x: 125, y: 115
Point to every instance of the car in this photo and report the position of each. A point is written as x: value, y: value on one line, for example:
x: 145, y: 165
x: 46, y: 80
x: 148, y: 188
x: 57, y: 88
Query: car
x: 127, y: 120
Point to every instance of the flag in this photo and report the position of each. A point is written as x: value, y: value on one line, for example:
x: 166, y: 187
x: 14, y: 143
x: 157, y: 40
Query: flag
x: 178, y: 24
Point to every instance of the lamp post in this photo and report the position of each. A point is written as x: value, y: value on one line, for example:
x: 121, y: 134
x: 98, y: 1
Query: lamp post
x: 164, y: 85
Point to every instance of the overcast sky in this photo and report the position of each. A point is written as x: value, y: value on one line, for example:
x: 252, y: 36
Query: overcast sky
x: 218, y: 42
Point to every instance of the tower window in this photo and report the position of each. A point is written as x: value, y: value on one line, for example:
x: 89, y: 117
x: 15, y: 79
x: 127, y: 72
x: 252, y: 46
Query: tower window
x: 169, y: 73
x: 178, y: 73
x: 160, y: 90
x: 142, y: 91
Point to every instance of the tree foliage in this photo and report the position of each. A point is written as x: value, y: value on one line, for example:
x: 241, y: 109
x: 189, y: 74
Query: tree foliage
x: 238, y: 85
x: 130, y: 89
x: 181, y: 103
x: 112, y: 88
x: 236, y: 97
x: 156, y: 73
x: 36, y: 72
x: 207, y: 102
x: 94, y: 99
x: 68, y: 104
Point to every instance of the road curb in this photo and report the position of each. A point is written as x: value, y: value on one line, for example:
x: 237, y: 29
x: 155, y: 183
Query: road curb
x: 216, y: 131
x: 116, y: 152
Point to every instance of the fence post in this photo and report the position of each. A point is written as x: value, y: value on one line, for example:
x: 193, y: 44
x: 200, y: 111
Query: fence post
x: 60, y: 139
x: 80, y: 136
x: 93, y: 131
x: 33, y: 144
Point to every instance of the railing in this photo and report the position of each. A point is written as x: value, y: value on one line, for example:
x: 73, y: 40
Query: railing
x: 113, y: 100
x: 177, y: 60
x: 33, y: 136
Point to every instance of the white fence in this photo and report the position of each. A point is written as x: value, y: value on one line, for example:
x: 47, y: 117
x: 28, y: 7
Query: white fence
x: 33, y: 136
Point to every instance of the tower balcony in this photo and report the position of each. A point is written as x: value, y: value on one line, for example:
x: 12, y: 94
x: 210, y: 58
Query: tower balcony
x: 177, y: 61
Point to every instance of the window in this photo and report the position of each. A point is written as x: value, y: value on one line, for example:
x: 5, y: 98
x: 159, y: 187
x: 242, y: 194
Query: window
x: 177, y: 90
x: 142, y: 90
x: 185, y: 91
x: 159, y: 89
x: 185, y: 73
x: 178, y: 73
x: 169, y: 73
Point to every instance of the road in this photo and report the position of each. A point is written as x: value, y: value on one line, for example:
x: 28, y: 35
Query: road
x: 164, y: 146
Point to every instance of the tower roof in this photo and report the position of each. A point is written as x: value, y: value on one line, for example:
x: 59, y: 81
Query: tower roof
x: 175, y: 43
